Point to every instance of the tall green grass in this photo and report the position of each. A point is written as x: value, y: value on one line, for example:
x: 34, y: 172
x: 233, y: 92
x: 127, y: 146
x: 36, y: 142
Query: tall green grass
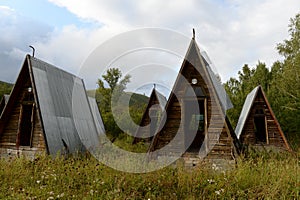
x: 83, y: 177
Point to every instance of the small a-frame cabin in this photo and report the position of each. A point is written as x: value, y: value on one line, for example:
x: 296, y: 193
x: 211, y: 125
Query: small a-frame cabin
x: 196, y: 125
x: 151, y: 118
x: 48, y: 112
x: 257, y: 125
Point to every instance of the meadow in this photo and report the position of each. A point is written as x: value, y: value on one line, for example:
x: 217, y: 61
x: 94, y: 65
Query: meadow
x: 263, y: 176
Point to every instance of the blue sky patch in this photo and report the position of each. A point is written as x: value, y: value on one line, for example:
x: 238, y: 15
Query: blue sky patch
x: 48, y: 13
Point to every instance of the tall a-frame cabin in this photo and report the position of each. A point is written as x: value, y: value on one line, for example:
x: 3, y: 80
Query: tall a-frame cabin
x: 48, y: 111
x: 151, y: 118
x: 196, y: 125
x: 257, y: 126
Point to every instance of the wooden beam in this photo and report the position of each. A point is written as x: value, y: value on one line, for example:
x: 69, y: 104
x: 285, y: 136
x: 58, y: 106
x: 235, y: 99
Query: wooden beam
x: 19, y: 127
x: 266, y: 132
x: 32, y: 124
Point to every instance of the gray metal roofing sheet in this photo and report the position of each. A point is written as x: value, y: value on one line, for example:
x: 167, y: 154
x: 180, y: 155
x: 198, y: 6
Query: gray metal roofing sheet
x: 222, y: 95
x: 97, y: 117
x: 64, y: 109
x: 245, y: 111
x: 6, y: 97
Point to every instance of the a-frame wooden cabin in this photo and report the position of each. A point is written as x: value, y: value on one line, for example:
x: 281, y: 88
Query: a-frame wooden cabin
x: 151, y: 118
x: 48, y: 112
x: 257, y: 126
x: 196, y: 125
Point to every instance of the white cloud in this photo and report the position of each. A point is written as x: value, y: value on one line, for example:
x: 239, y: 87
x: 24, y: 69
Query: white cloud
x: 17, y: 33
x: 232, y: 32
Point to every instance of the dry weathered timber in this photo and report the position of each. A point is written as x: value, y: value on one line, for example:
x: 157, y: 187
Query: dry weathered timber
x: 222, y: 142
x: 258, y: 126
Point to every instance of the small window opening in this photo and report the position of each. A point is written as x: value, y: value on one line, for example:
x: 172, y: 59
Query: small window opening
x: 194, y: 81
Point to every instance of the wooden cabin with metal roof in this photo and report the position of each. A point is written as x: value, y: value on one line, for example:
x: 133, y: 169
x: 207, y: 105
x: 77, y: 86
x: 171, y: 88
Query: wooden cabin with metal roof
x: 151, y: 118
x: 48, y: 112
x: 196, y: 126
x: 257, y: 127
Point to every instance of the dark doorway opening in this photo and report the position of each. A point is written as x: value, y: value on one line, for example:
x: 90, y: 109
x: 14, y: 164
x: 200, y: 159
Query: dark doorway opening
x: 260, y: 126
x: 26, y: 125
x: 195, y: 124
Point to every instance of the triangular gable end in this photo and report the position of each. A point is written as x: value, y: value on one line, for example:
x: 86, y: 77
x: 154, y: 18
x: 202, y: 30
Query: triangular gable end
x: 257, y: 125
x: 156, y: 105
x: 211, y: 122
x: 20, y: 123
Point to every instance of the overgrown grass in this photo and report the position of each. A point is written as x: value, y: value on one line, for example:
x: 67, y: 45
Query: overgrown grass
x: 260, y: 177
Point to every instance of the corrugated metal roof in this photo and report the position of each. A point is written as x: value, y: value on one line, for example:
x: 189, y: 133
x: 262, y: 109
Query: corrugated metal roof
x: 65, y: 111
x: 6, y: 97
x: 245, y: 111
x: 222, y: 95
x: 97, y: 117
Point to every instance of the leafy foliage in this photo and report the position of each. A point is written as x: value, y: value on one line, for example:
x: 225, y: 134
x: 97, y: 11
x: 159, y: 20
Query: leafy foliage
x: 112, y: 95
x: 5, y: 88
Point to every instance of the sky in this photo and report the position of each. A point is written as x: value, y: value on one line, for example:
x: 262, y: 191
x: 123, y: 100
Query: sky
x: 66, y: 32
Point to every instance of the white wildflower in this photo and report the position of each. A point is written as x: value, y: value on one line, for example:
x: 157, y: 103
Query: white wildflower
x: 60, y: 195
x: 218, y: 192
x: 91, y: 192
x: 210, y: 181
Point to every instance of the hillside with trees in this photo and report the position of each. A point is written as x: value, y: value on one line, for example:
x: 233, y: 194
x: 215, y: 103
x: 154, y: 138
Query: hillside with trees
x: 108, y: 99
x: 5, y: 88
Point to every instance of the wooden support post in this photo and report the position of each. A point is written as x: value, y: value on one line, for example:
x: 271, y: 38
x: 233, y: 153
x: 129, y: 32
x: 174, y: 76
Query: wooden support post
x: 205, y: 125
x: 19, y: 127
x: 32, y: 124
x: 267, y: 133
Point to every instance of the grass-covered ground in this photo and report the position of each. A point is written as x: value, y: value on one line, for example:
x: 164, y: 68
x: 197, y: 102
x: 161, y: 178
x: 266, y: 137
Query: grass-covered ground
x: 259, y: 177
